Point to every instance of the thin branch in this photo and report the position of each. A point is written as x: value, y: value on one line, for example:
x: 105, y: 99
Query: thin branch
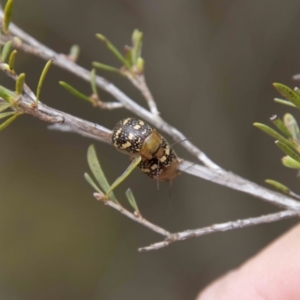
x: 30, y: 45
x: 183, y: 235
x: 139, y: 219
x: 210, y: 171
x: 28, y: 105
x: 240, y: 184
x: 45, y: 113
x: 107, y: 105
x: 138, y: 80
x: 180, y: 236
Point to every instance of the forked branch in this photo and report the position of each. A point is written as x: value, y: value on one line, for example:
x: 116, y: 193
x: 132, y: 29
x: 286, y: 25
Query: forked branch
x: 26, y: 103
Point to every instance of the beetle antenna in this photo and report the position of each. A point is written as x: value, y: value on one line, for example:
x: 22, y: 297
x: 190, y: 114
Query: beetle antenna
x: 189, y: 167
x: 186, y: 139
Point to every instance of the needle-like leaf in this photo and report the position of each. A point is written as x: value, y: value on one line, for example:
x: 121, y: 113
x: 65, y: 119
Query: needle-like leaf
x: 284, y: 102
x: 89, y: 179
x: 275, y: 135
x: 75, y: 92
x: 11, y: 61
x: 98, y: 172
x: 290, y: 163
x: 8, y: 9
x: 6, y: 94
x: 6, y: 114
x: 292, y: 126
x: 132, y: 200
x: 42, y: 79
x: 287, y: 150
x: 4, y: 106
x: 281, y: 126
x: 105, y: 67
x: 288, y: 93
x: 5, y: 51
x: 20, y: 83
x: 114, y: 50
x: 93, y: 82
x: 279, y: 186
x: 8, y: 121
x: 127, y: 172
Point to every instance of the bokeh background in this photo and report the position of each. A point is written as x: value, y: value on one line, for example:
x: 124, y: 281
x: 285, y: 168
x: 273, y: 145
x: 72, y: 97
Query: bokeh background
x: 210, y: 65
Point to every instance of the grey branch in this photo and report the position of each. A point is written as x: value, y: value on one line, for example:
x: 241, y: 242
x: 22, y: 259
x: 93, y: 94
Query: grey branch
x: 67, y: 122
x: 240, y: 184
x: 128, y: 214
x: 30, y: 45
x: 180, y: 236
x: 210, y: 171
x: 140, y: 83
x: 183, y: 235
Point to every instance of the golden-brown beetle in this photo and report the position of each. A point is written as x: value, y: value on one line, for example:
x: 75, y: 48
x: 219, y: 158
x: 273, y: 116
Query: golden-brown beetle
x: 150, y: 150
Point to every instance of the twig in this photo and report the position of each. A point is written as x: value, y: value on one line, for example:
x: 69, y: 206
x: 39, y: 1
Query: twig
x: 183, y: 235
x: 28, y: 105
x: 107, y: 105
x: 138, y: 80
x: 30, y: 45
x: 211, y: 171
x: 128, y: 214
x: 240, y: 184
x: 92, y: 130
x: 180, y: 236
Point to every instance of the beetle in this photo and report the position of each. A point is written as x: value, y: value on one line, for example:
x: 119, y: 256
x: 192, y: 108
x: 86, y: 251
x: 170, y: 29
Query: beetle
x: 148, y: 149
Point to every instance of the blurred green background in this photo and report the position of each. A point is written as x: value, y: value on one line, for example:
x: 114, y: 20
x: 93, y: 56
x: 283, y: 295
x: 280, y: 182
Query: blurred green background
x: 210, y: 65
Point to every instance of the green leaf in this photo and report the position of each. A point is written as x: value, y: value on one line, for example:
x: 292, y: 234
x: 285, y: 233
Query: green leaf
x: 11, y: 61
x: 20, y: 83
x: 292, y: 126
x: 5, y: 51
x: 4, y: 106
x: 287, y: 150
x: 288, y: 93
x: 288, y: 162
x: 137, y: 38
x: 279, y: 186
x: 275, y: 135
x: 140, y: 64
x: 93, y: 82
x: 127, y: 172
x: 8, y: 9
x: 131, y: 200
x: 114, y: 50
x: 74, y: 53
x: 6, y: 94
x: 75, y: 92
x: 105, y: 67
x: 6, y: 114
x: 281, y: 126
x: 98, y: 172
x: 91, y: 182
x: 8, y: 121
x: 42, y: 79
x: 284, y: 102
